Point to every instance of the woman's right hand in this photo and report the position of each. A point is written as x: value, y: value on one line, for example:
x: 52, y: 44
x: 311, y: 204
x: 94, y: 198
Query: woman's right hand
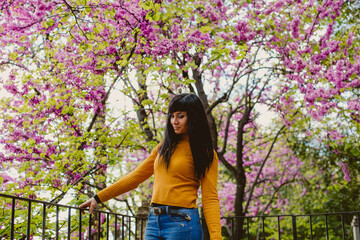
x: 91, y: 203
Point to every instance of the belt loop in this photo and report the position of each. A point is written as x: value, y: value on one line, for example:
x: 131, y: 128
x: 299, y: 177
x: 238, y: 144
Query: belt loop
x: 167, y: 209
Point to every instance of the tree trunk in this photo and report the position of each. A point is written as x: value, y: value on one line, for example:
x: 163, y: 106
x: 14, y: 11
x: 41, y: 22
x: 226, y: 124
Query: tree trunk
x: 239, y: 210
x: 141, y: 112
x: 241, y: 177
x: 204, y: 100
x: 99, y: 125
x: 211, y: 121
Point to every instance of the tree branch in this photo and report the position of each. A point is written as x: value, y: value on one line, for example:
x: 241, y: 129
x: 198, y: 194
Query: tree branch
x: 261, y: 168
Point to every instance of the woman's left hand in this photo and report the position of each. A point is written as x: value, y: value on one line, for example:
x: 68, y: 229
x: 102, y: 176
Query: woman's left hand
x: 91, y: 203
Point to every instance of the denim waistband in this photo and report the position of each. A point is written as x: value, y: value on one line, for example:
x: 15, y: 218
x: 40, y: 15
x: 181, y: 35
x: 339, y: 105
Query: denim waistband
x: 169, y: 206
x: 168, y: 210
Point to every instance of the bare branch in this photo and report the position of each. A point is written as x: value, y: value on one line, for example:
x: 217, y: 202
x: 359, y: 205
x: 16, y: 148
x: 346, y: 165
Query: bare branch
x: 261, y: 167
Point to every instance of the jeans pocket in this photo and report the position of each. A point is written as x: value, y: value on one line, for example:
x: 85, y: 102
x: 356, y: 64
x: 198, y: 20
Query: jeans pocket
x: 177, y: 218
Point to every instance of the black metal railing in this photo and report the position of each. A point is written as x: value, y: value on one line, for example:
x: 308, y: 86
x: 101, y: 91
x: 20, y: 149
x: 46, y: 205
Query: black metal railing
x: 337, y: 225
x: 23, y: 218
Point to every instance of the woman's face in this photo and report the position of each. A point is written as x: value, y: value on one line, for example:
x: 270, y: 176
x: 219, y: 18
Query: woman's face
x: 179, y: 122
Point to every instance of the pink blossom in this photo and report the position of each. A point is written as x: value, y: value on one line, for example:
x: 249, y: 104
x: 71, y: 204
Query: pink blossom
x: 295, y: 26
x: 346, y: 171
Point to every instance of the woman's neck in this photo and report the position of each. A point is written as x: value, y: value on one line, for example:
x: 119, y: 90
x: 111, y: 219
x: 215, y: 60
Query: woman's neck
x: 184, y: 137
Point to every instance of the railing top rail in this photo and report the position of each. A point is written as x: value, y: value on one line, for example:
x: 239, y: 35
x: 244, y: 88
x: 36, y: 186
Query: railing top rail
x: 64, y: 206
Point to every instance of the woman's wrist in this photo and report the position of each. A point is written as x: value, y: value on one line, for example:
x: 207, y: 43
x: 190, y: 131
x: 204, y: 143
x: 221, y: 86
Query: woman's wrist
x: 96, y: 197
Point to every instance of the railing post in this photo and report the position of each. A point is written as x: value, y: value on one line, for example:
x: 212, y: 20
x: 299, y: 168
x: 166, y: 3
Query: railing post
x: 355, y: 226
x: 28, y: 221
x: 69, y: 224
x: 107, y: 226
x: 12, y: 219
x: 57, y: 223
x: 279, y: 227
x: 43, y: 221
x: 294, y: 227
x: 80, y: 225
x: 116, y: 225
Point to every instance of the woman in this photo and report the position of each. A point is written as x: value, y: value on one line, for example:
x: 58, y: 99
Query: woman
x: 181, y: 163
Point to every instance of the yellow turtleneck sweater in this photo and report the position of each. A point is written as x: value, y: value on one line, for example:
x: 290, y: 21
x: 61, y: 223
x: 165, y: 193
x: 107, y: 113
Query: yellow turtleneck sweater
x: 175, y: 186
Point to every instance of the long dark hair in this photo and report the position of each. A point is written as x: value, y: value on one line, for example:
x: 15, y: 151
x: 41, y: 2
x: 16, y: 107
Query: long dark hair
x: 198, y: 129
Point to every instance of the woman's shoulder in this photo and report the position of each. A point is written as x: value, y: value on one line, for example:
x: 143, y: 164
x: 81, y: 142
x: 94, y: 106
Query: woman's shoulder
x: 157, y: 147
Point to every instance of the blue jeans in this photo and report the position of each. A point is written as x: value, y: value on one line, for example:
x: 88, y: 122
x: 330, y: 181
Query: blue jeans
x: 174, y: 227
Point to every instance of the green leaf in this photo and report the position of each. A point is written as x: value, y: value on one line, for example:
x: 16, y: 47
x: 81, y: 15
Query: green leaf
x: 149, y: 16
x: 13, y: 56
x: 156, y: 16
x: 205, y: 29
x: 146, y: 5
x: 88, y: 9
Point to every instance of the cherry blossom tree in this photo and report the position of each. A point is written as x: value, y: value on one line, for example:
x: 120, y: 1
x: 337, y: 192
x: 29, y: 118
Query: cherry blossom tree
x: 287, y: 47
x: 66, y: 59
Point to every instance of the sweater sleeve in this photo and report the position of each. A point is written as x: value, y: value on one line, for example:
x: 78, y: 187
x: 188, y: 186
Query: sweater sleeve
x: 131, y: 180
x: 210, y: 200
